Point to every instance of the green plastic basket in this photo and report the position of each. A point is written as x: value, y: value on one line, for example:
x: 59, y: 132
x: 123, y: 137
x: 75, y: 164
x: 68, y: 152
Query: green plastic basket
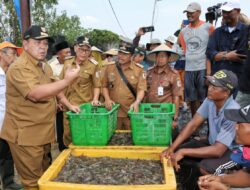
x: 94, y: 125
x: 152, y: 125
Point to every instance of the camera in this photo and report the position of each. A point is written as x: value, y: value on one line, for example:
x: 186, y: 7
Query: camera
x: 148, y: 29
x: 213, y: 13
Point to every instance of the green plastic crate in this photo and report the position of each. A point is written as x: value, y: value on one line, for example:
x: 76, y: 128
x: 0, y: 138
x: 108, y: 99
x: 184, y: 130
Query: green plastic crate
x: 152, y: 125
x: 94, y: 125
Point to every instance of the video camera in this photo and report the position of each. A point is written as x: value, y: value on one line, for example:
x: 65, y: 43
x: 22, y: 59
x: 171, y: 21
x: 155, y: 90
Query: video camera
x: 213, y: 13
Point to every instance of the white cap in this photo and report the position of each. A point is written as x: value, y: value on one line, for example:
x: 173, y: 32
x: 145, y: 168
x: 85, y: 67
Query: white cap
x: 230, y: 5
x: 193, y: 7
x: 172, y: 39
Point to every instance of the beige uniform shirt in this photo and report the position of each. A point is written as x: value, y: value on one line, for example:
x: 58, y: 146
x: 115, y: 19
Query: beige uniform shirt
x: 118, y: 90
x: 28, y: 123
x: 168, y: 79
x: 82, y: 89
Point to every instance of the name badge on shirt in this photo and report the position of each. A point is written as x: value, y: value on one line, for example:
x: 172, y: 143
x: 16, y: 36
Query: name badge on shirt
x: 160, y: 91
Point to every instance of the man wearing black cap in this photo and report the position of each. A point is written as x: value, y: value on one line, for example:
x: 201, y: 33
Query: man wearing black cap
x: 62, y: 50
x: 240, y: 178
x: 205, y: 156
x: 87, y: 87
x: 31, y: 106
x: 117, y: 91
x: 138, y: 57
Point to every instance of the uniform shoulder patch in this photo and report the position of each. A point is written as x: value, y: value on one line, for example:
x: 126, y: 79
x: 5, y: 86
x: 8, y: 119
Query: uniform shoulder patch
x: 69, y: 60
x: 104, y: 63
x: 93, y: 61
x: 150, y: 68
x: 139, y: 65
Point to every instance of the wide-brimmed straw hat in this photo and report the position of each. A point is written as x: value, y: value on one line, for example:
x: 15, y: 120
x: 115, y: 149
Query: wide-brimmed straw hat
x: 163, y: 48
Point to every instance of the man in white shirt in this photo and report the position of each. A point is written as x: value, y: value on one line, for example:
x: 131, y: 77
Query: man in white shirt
x: 8, y: 54
x: 62, y: 50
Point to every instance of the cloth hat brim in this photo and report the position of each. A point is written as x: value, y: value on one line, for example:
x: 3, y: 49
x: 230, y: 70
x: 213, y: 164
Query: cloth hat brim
x: 149, y: 44
x: 153, y: 42
x: 126, y: 49
x: 50, y: 39
x: 190, y: 11
x: 93, y: 48
x: 10, y: 45
x: 163, y: 48
x: 235, y: 115
x: 84, y: 44
x: 113, y: 52
x: 123, y: 51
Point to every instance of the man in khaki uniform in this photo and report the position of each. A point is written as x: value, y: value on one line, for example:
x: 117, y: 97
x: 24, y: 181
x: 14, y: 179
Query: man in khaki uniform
x: 87, y: 87
x: 115, y: 89
x: 164, y: 85
x: 31, y: 107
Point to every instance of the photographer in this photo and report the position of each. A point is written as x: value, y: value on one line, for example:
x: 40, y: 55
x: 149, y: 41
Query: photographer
x: 149, y: 46
x: 228, y: 44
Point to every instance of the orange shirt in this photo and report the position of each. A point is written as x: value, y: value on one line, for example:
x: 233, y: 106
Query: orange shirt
x: 181, y: 38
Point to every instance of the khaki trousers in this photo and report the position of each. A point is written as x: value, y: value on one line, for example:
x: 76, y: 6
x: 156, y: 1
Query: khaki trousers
x: 66, y: 130
x: 123, y: 123
x: 31, y: 162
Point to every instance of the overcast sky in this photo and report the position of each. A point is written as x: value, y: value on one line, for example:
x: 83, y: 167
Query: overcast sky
x: 135, y: 13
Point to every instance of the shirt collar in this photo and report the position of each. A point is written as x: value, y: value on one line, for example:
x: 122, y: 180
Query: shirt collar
x: 166, y: 70
x: 30, y: 58
x: 226, y: 104
x: 130, y: 66
x: 55, y: 58
x: 239, y: 26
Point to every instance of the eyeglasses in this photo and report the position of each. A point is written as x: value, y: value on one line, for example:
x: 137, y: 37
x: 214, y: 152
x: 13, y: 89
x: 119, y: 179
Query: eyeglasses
x: 9, y: 54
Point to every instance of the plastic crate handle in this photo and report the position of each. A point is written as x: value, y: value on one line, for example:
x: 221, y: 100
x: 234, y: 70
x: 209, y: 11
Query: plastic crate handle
x: 155, y: 105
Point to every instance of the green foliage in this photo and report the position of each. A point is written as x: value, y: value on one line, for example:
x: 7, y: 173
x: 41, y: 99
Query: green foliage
x: 103, y: 39
x: 43, y: 12
x: 67, y: 26
x: 9, y: 26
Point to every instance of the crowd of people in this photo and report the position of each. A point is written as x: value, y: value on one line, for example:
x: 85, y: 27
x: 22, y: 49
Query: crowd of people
x: 203, y: 67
